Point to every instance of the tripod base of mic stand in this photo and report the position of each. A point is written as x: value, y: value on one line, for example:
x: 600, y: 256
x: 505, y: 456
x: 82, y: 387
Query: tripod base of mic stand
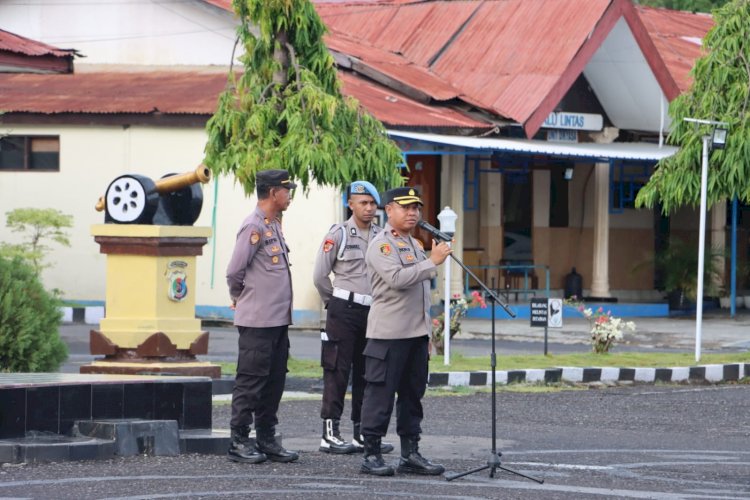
x: 493, y: 463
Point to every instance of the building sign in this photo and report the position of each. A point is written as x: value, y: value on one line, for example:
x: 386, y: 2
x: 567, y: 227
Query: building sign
x: 538, y: 313
x: 546, y: 313
x: 555, y: 316
x: 573, y: 121
x: 558, y: 135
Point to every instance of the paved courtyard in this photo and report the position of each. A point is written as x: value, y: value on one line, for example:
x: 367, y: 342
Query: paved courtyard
x: 640, y: 441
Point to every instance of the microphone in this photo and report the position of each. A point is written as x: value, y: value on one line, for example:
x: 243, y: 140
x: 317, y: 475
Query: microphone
x: 435, y: 232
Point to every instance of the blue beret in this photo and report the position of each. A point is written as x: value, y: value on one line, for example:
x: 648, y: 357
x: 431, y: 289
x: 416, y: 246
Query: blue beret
x: 364, y: 187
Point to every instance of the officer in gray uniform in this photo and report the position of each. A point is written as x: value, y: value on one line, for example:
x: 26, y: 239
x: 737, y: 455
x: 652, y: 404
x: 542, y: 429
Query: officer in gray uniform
x: 260, y: 286
x: 398, y: 330
x: 347, y: 302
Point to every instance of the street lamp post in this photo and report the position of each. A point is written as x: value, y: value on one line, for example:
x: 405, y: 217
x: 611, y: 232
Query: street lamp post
x: 716, y: 140
x: 447, y: 218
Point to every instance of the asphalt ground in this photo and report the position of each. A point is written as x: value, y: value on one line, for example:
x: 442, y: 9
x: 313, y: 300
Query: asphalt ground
x: 638, y: 441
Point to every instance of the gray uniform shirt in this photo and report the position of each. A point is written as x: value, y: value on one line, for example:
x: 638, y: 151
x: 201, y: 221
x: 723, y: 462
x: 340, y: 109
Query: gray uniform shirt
x: 400, y: 274
x: 258, y: 275
x: 349, y: 271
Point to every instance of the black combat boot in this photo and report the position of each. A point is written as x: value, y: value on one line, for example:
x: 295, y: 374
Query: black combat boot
x: 242, y: 448
x: 265, y: 441
x: 359, y: 441
x: 373, y: 462
x: 332, y: 441
x: 411, y: 462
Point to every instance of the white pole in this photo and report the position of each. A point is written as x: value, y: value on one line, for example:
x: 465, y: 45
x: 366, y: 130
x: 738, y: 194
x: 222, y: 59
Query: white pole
x: 447, y: 313
x: 701, y: 250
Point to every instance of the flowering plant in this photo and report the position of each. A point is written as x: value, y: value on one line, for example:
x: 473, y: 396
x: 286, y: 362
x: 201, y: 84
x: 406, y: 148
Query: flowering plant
x: 605, y: 328
x: 460, y: 304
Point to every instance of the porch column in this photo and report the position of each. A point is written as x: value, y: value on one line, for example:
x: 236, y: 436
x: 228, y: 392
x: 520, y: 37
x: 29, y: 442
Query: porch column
x: 456, y: 202
x: 600, y: 268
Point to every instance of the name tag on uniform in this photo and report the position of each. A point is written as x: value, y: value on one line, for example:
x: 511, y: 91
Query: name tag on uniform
x: 323, y: 335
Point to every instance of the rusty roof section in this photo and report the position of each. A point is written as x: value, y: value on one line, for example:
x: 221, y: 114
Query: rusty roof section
x: 389, y: 69
x: 192, y: 93
x: 21, y: 45
x: 398, y: 110
x: 21, y: 54
x: 170, y: 92
x: 513, y: 58
x: 678, y: 37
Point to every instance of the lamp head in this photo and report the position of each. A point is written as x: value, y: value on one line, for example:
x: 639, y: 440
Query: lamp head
x: 719, y: 138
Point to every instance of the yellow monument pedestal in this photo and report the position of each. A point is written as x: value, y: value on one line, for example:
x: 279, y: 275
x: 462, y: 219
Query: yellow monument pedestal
x: 150, y: 324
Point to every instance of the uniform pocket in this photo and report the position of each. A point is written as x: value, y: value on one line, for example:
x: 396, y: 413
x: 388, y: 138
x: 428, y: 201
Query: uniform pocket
x: 376, y: 365
x: 255, y: 362
x: 328, y: 352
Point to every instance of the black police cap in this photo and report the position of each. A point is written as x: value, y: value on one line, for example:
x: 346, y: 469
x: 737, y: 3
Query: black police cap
x: 273, y: 178
x: 402, y: 196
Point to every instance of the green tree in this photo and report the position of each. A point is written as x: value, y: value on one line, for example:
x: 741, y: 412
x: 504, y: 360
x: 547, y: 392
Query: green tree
x: 29, y: 321
x: 39, y: 226
x: 287, y: 111
x: 720, y: 92
x: 688, y: 5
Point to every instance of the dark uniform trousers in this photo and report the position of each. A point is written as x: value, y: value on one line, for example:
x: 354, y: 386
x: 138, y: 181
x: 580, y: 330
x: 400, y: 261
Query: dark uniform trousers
x: 346, y: 326
x: 394, y: 366
x: 261, y: 375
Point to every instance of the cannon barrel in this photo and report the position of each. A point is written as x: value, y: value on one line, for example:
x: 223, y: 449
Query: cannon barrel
x: 173, y: 183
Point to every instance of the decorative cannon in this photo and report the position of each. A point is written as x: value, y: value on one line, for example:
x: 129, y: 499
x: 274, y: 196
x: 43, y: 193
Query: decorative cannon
x: 173, y: 200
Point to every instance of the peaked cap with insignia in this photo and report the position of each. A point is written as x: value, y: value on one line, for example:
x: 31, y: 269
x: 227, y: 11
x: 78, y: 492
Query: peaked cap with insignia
x: 402, y: 196
x: 274, y: 178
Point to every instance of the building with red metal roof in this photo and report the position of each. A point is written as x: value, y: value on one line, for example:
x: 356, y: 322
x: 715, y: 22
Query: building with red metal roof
x: 478, y: 94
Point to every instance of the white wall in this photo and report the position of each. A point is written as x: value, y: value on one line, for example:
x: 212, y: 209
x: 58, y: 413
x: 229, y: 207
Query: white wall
x: 188, y: 32
x: 91, y: 157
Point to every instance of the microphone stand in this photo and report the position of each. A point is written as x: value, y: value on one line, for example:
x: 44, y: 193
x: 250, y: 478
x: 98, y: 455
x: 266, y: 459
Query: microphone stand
x: 493, y: 462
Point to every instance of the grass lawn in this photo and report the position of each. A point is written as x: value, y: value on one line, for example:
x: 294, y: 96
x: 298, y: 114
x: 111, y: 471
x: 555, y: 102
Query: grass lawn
x: 310, y: 368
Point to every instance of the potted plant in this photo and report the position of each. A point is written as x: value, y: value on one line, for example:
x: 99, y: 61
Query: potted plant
x: 678, y: 267
x: 458, y: 307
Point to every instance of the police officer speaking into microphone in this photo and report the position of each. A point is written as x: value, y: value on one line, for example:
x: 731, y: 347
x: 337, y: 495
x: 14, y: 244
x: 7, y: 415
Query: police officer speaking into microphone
x: 347, y: 301
x: 260, y: 287
x: 398, y: 330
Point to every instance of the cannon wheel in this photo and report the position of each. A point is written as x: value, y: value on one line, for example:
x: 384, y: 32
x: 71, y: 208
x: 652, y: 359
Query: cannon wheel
x: 131, y: 199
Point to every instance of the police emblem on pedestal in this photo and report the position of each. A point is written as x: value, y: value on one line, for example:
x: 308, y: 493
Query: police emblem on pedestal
x: 177, y: 289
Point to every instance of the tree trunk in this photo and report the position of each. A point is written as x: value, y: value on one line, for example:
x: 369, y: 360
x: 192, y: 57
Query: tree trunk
x: 281, y: 54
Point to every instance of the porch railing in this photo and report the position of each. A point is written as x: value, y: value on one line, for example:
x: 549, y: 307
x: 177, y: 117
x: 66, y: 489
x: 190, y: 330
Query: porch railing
x: 504, y: 280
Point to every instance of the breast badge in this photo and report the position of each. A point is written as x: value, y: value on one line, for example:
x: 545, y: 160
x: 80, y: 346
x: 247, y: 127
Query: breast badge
x: 269, y: 234
x: 409, y: 257
x: 254, y: 237
x: 385, y: 249
x: 327, y: 246
x: 275, y: 248
x: 275, y: 259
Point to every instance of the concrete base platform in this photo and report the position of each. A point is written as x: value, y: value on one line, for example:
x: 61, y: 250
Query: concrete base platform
x: 190, y: 369
x: 46, y: 447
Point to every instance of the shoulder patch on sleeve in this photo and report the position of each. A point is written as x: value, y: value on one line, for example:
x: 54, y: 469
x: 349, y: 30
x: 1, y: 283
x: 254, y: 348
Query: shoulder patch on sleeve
x: 254, y: 237
x: 385, y: 249
x: 328, y: 245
